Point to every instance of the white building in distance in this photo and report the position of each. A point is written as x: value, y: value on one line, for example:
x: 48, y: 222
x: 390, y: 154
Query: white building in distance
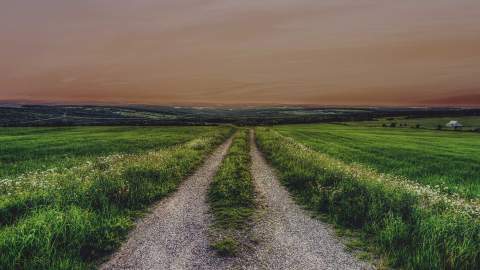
x: 454, y: 124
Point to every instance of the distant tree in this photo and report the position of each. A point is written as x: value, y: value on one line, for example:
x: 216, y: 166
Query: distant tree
x: 439, y: 127
x: 384, y: 125
x: 417, y: 126
x: 393, y: 124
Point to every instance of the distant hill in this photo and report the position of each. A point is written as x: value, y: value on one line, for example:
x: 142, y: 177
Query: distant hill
x: 12, y: 114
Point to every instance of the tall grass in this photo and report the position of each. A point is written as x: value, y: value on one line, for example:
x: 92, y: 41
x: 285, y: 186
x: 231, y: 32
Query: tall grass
x: 231, y: 195
x: 416, y: 227
x: 71, y: 218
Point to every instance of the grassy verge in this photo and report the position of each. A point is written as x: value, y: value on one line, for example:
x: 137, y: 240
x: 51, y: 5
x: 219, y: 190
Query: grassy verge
x: 413, y: 225
x: 70, y: 219
x: 232, y: 196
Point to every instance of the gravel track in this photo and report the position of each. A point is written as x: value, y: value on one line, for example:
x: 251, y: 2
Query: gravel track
x: 288, y: 237
x: 175, y: 234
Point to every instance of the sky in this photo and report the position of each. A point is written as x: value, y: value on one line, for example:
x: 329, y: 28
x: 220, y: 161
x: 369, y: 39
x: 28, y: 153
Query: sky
x: 323, y: 52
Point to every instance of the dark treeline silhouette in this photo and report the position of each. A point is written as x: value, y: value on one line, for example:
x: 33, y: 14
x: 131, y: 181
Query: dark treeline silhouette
x: 42, y: 115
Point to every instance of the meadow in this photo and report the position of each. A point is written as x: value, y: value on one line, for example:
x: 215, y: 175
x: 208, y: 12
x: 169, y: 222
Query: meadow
x: 60, y: 216
x: 449, y: 161
x: 70, y: 195
x: 25, y: 150
x: 413, y: 225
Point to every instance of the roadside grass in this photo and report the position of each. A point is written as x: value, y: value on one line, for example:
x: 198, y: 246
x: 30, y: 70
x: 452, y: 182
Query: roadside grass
x: 232, y: 196
x: 414, y: 226
x: 24, y: 150
x: 449, y: 161
x: 70, y: 219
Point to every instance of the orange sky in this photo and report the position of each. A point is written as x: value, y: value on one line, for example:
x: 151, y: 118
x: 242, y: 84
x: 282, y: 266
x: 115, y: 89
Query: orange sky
x: 328, y: 52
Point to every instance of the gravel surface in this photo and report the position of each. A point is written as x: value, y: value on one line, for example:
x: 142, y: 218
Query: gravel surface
x: 175, y: 234
x: 288, y: 237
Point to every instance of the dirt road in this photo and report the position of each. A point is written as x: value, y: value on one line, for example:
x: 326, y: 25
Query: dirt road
x: 175, y: 234
x: 289, y: 237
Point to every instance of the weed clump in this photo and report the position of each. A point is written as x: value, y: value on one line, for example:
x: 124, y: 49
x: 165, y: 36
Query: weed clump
x: 226, y: 247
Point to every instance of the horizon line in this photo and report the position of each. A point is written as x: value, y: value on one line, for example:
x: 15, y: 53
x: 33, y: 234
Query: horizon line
x: 33, y: 102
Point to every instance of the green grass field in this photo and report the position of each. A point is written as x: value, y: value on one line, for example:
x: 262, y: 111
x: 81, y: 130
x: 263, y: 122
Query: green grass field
x: 450, y: 160
x: 411, y: 225
x: 28, y: 149
x: 67, y: 215
x: 469, y: 122
x: 69, y: 196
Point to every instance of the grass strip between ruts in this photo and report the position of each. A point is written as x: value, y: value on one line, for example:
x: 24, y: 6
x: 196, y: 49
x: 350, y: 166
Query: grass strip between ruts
x: 232, y: 196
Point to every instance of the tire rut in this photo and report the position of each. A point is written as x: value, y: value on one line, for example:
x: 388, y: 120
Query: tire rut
x: 288, y: 237
x: 175, y: 234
